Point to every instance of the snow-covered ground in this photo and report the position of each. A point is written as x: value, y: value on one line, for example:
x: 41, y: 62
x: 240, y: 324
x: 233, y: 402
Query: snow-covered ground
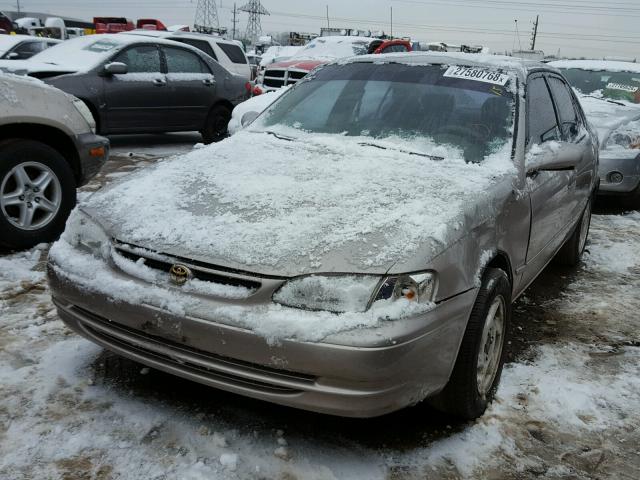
x: 568, y: 405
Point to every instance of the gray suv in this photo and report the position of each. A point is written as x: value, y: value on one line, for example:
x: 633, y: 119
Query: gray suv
x: 353, y: 250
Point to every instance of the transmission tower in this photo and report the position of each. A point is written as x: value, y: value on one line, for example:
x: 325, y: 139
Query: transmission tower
x: 206, y: 20
x: 255, y: 9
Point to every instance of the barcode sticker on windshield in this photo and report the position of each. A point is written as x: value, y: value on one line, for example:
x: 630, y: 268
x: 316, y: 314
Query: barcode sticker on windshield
x: 620, y: 86
x: 477, y: 74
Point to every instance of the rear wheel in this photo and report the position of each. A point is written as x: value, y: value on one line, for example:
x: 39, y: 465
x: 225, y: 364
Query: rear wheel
x: 217, y: 123
x: 477, y: 371
x: 37, y: 193
x: 571, y: 252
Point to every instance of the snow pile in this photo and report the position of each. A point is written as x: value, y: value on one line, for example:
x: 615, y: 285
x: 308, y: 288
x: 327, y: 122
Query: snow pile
x: 255, y: 104
x: 263, y: 202
x: 332, y: 48
x: 277, y: 54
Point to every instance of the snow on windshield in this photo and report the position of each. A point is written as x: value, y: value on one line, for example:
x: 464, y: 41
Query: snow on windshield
x: 82, y: 53
x: 334, y: 47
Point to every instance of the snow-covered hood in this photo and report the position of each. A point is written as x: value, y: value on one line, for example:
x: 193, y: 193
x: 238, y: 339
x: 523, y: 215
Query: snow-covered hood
x: 321, y: 203
x: 607, y: 116
x: 26, y: 67
x: 298, y: 64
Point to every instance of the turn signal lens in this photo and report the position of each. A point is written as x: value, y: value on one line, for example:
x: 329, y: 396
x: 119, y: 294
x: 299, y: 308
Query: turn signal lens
x: 418, y: 287
x: 97, y: 152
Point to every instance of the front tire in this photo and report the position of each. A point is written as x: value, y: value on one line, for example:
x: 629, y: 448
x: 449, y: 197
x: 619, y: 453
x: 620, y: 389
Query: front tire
x: 571, y: 252
x: 216, y: 127
x: 37, y: 193
x: 478, y: 368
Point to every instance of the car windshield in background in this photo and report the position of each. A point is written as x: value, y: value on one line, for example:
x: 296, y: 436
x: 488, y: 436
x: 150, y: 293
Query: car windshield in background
x: 433, y: 109
x: 82, y: 53
x: 615, y: 85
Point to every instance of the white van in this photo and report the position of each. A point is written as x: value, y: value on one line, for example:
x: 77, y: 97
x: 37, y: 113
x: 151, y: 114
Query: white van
x: 226, y: 52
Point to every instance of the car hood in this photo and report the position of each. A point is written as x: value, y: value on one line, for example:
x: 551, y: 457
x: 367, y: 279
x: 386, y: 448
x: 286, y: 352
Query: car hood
x: 607, y: 116
x: 299, y: 64
x: 27, y: 67
x: 320, y: 203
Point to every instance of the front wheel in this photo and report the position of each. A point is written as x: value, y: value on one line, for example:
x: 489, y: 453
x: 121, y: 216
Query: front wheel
x: 477, y: 371
x: 216, y: 125
x: 37, y: 192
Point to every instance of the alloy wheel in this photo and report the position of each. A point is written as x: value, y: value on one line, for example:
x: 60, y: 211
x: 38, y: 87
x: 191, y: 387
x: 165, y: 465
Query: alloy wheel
x: 491, y: 345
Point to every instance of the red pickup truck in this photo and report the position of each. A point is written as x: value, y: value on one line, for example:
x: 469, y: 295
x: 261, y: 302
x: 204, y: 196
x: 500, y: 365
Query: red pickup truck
x: 320, y: 51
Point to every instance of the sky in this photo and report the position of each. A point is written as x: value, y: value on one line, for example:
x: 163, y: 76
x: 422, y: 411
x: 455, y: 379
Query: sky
x: 590, y: 28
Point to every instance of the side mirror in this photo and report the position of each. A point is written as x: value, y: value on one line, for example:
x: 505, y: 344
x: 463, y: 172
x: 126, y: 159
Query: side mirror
x: 248, y: 117
x: 13, y: 55
x: 551, y: 157
x: 115, y: 68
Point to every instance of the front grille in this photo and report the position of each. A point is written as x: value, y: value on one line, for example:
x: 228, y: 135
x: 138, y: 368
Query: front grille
x: 273, y: 82
x: 274, y: 73
x: 186, y: 358
x: 200, y: 270
x: 296, y: 75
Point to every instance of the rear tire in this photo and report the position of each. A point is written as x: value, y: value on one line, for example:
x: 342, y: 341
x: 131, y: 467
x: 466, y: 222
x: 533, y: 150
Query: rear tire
x: 478, y: 368
x: 571, y: 252
x: 216, y: 125
x: 50, y: 203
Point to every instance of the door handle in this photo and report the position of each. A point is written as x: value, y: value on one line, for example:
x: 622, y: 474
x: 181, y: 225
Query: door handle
x: 159, y: 82
x: 209, y: 82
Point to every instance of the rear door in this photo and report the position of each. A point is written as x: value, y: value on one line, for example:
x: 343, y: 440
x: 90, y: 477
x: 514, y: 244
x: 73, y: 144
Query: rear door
x: 191, y: 88
x: 551, y: 192
x: 137, y: 100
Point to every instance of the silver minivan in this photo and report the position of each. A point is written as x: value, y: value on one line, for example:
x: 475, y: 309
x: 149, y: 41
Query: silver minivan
x: 355, y: 249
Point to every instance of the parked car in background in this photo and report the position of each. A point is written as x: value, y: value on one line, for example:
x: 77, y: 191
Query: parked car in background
x: 112, y: 24
x: 226, y: 52
x: 141, y: 84
x: 321, y: 51
x: 610, y: 94
x: 150, y: 24
x: 6, y: 24
x: 353, y: 250
x: 21, y: 47
x: 48, y: 148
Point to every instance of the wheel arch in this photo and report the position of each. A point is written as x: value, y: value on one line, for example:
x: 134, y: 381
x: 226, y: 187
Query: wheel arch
x: 50, y: 136
x: 501, y: 260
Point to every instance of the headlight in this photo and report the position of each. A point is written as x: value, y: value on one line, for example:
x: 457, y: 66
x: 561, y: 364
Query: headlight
x: 627, y: 136
x: 354, y: 293
x: 83, y: 110
x: 84, y: 233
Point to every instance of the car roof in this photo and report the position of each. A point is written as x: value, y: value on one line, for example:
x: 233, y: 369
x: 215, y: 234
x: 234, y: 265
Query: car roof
x: 179, y: 33
x: 518, y: 65
x: 10, y: 40
x: 598, y: 65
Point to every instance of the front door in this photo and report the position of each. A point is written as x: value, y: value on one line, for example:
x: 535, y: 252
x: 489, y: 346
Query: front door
x: 137, y: 100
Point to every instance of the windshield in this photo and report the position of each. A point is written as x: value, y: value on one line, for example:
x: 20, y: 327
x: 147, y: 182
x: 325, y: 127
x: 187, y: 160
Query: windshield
x: 615, y: 85
x: 434, y: 110
x: 82, y: 53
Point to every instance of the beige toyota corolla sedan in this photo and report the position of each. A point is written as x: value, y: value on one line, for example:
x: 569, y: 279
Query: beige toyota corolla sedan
x: 355, y: 248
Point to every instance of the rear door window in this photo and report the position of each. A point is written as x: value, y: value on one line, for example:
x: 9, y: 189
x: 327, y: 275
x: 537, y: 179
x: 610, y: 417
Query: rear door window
x: 199, y: 44
x: 141, y: 59
x: 183, y: 61
x: 542, y: 121
x: 29, y: 49
x: 234, y: 52
x: 569, y: 118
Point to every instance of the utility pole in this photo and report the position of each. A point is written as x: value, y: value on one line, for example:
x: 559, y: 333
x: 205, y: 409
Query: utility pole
x: 391, y: 22
x: 535, y: 33
x: 328, y: 26
x: 18, y: 6
x: 235, y: 21
x: 254, y: 28
x: 206, y: 20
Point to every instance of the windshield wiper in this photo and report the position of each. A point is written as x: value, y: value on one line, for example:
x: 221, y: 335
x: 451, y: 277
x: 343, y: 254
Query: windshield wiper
x: 606, y: 100
x: 280, y: 137
x: 409, y: 152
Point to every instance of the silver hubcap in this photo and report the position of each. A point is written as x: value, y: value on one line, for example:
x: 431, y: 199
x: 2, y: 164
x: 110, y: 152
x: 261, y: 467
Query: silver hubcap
x: 30, y: 195
x: 584, y: 227
x: 491, y: 346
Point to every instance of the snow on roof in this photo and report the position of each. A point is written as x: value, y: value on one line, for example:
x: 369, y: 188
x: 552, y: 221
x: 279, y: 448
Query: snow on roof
x: 598, y: 65
x: 278, y: 53
x: 9, y: 41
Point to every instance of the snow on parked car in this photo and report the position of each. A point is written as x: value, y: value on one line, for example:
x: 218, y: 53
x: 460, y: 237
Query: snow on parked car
x: 255, y: 105
x: 355, y: 250
x: 610, y: 94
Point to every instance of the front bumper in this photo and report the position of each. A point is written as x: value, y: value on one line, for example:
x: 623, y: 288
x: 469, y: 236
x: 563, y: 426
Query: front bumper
x: 329, y: 377
x: 628, y: 167
x: 93, y: 152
